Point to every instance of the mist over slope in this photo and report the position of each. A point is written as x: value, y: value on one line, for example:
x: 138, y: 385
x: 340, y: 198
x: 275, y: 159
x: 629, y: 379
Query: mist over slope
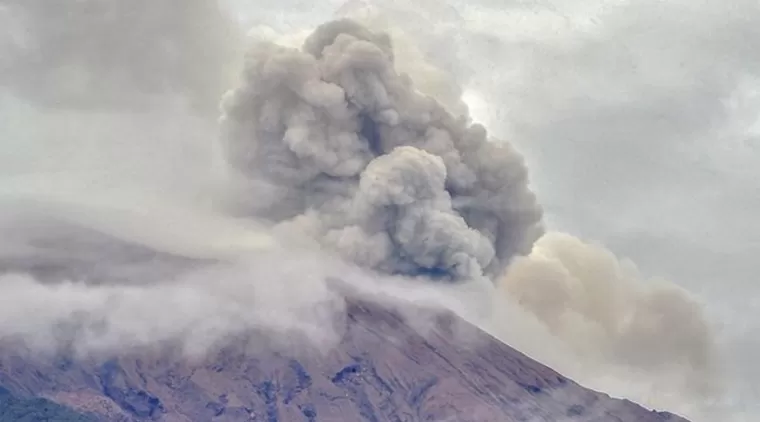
x: 383, y: 368
x: 326, y: 144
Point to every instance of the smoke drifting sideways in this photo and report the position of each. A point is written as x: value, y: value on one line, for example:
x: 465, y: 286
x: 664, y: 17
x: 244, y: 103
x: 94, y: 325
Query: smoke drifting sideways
x: 607, y: 312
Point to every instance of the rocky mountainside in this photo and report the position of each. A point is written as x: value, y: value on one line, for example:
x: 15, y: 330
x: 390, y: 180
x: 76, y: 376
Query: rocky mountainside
x: 382, y: 370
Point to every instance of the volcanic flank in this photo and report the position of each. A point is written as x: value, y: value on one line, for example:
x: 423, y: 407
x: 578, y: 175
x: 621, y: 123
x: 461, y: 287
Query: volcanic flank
x: 382, y: 370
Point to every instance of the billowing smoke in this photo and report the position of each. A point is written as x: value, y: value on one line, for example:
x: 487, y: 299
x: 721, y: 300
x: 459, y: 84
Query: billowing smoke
x: 371, y: 167
x: 606, y: 311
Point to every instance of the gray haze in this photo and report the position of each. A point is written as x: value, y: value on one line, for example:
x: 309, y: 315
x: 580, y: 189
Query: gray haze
x: 93, y: 53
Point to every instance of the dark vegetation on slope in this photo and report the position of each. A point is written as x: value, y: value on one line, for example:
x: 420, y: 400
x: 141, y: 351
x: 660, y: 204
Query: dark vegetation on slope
x: 36, y: 409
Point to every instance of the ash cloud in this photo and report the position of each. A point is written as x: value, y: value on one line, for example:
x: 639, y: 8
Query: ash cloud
x: 370, y: 166
x: 604, y: 309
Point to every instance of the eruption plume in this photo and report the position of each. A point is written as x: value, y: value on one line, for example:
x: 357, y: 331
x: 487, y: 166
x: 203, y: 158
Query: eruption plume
x: 333, y: 141
x: 372, y: 168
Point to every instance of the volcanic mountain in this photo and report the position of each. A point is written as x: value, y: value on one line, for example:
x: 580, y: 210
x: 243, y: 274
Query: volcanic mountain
x: 383, y: 369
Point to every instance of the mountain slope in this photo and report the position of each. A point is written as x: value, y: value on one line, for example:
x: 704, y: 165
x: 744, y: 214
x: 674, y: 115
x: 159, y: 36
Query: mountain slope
x: 382, y: 370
